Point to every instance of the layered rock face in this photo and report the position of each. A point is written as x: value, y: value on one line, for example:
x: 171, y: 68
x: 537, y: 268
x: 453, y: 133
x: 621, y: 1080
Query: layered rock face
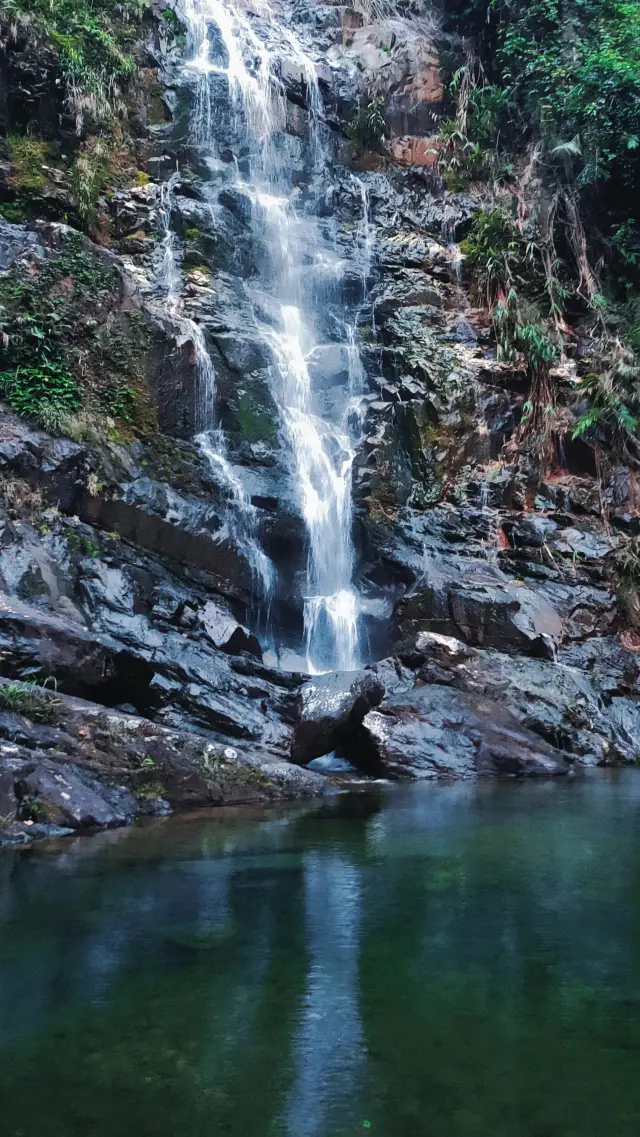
x: 166, y: 580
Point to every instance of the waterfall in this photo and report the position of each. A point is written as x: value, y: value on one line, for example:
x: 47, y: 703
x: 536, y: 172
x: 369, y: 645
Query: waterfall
x: 299, y: 270
x: 209, y: 439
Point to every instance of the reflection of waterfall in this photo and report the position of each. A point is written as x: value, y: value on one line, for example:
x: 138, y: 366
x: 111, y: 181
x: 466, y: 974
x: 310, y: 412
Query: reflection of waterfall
x: 301, y: 274
x: 329, y: 1051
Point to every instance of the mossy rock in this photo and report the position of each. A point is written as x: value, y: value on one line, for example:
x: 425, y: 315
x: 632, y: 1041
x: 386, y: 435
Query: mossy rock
x: 27, y: 156
x: 256, y: 417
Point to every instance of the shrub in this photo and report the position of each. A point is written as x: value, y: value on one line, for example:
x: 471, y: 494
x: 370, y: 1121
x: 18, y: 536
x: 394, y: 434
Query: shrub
x: 369, y: 129
x: 45, y: 392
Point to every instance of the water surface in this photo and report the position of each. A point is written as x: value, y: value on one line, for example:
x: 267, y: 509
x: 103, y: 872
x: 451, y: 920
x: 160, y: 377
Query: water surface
x: 457, y: 961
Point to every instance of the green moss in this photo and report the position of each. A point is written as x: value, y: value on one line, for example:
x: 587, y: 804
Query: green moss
x: 27, y: 156
x: 148, y: 791
x: 58, y: 359
x: 156, y: 109
x: 256, y: 421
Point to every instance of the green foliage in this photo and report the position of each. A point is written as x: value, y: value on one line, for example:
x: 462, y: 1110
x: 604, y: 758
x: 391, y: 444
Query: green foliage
x: 572, y: 69
x: 29, y: 699
x: 626, y: 561
x: 43, y: 392
x: 614, y: 399
x: 563, y: 74
x: 27, y: 156
x: 88, y: 174
x: 461, y: 161
x: 369, y: 128
x: 534, y: 342
x: 492, y: 250
x: 124, y: 404
x: 94, y: 277
x: 171, y: 19
x: 37, y: 319
x: 91, y: 40
x: 513, y: 280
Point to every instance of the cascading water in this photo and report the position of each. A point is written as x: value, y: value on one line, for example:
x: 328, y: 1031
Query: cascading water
x: 209, y: 438
x: 299, y: 270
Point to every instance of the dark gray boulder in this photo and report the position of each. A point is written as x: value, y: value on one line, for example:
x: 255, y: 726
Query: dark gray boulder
x: 8, y: 797
x: 435, y: 731
x: 476, y: 600
x: 332, y: 708
x: 63, y: 795
x: 32, y: 639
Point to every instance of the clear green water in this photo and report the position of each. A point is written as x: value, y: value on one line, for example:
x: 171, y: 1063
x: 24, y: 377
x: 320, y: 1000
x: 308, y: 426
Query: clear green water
x: 432, y: 962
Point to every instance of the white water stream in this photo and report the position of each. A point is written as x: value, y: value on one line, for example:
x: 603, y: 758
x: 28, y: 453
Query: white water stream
x: 210, y: 437
x: 300, y: 265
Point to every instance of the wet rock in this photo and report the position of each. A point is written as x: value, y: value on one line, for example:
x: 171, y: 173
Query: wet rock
x: 475, y: 600
x: 227, y: 634
x: 189, y: 531
x: 26, y: 832
x: 332, y: 707
x: 8, y: 796
x: 331, y: 764
x: 436, y: 657
x: 15, y: 240
x: 435, y: 731
x: 124, y: 766
x: 63, y: 795
x: 585, y: 704
x: 30, y: 639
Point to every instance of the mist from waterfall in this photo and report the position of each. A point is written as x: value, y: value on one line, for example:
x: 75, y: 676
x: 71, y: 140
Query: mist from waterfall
x: 297, y: 271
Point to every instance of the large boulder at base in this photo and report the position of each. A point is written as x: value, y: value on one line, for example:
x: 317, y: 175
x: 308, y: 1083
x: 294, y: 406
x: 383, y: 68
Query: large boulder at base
x: 435, y: 731
x: 332, y: 707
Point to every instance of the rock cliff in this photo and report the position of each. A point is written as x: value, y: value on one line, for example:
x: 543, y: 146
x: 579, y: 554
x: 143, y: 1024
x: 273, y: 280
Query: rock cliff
x: 493, y: 631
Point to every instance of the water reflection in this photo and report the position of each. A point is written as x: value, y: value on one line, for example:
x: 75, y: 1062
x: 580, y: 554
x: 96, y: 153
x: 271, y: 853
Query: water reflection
x: 328, y: 1050
x: 433, y: 960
